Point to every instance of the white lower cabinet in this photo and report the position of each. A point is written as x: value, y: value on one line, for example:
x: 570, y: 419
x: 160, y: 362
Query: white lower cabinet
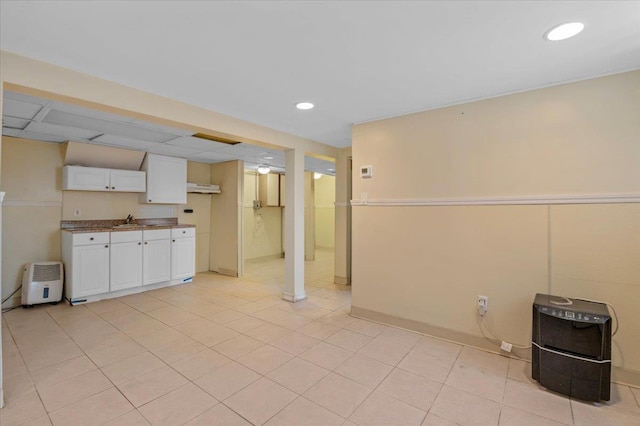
x: 86, y: 258
x: 126, y: 260
x: 183, y: 253
x: 100, y: 263
x: 156, y: 257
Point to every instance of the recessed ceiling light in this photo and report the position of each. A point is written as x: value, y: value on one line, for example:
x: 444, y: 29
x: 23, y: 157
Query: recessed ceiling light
x: 267, y: 158
x: 564, y: 31
x: 304, y: 105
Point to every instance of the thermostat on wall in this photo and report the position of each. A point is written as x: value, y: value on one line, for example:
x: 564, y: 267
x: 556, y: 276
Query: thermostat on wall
x: 366, y: 171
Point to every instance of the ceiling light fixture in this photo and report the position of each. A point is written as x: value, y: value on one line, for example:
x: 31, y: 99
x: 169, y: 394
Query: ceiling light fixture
x: 267, y: 158
x: 317, y: 175
x: 564, y: 31
x: 263, y: 170
x: 304, y: 105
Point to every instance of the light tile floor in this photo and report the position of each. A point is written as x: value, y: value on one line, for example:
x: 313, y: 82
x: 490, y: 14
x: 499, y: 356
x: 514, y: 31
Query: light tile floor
x: 227, y: 351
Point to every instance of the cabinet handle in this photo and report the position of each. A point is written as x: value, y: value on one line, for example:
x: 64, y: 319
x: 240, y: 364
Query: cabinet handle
x: 106, y: 246
x: 184, y: 232
x: 139, y: 244
x: 106, y: 187
x: 146, y: 243
x: 149, y: 200
x: 91, y: 239
x: 174, y: 241
x: 113, y: 187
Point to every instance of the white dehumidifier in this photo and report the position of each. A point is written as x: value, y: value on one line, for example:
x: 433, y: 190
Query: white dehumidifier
x: 42, y: 283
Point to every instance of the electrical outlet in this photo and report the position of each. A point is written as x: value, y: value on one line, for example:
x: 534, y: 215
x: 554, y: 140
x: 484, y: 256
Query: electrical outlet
x: 77, y: 213
x: 483, y: 304
x: 506, y: 346
x: 257, y: 204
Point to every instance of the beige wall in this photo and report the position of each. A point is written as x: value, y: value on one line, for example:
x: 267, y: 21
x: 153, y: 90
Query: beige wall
x: 428, y: 263
x: 201, y: 216
x: 226, y: 218
x: 111, y: 205
x: 325, y: 197
x: 342, y: 264
x: 262, y: 233
x: 32, y: 179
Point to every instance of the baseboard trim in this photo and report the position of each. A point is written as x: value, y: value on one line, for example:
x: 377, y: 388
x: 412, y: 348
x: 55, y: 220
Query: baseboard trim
x: 263, y: 258
x: 293, y: 298
x: 619, y: 375
x: 625, y: 377
x: 227, y: 272
x: 341, y: 280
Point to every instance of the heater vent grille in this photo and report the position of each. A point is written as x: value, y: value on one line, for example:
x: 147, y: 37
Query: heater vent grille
x: 43, y: 273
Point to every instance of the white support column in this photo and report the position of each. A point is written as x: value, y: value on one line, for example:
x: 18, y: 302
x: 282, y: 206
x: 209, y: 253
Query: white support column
x: 294, y: 227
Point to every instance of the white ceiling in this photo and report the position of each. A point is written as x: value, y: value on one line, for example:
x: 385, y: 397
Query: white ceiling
x: 356, y: 60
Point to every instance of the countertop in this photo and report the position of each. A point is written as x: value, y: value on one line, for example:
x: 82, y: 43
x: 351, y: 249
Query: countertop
x: 126, y: 228
x: 115, y: 225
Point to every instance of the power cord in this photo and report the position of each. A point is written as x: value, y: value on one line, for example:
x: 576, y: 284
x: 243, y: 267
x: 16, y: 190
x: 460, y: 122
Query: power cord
x: 569, y: 302
x: 486, y: 328
x: 4, y: 311
x: 615, y: 315
x: 9, y: 296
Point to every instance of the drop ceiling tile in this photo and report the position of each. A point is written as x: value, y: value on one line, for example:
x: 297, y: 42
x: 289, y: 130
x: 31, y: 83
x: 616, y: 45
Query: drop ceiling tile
x: 312, y: 164
x: 215, y: 156
x: 20, y: 109
x: 42, y: 137
x: 123, y: 142
x: 87, y: 112
x: 163, y: 129
x: 6, y: 131
x: 172, y: 150
x: 103, y: 126
x: 64, y: 132
x: 14, y: 123
x: 25, y: 98
x: 198, y: 143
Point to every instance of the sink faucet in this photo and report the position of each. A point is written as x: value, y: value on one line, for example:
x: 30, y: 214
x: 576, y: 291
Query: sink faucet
x: 129, y: 219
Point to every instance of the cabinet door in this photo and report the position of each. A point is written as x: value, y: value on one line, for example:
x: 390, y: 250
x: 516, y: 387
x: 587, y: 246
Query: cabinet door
x: 85, y: 178
x: 156, y: 261
x: 166, y: 179
x: 126, y: 265
x: 183, y: 258
x: 90, y: 270
x: 128, y: 181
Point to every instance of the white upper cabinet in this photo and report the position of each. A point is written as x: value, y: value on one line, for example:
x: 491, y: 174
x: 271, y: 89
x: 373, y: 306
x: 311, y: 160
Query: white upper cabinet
x: 128, y: 181
x: 97, y: 179
x: 166, y: 180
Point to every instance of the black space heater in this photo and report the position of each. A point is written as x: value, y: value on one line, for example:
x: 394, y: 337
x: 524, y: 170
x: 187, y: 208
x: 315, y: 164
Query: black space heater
x: 571, y: 347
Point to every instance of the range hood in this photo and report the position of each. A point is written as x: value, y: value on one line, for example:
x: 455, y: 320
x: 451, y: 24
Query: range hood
x: 203, y: 188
